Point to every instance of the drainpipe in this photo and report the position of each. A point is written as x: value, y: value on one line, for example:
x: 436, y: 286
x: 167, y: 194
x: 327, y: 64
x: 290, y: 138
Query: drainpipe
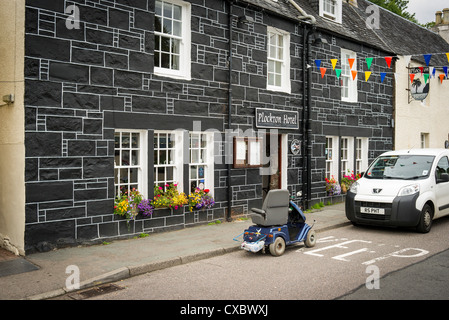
x: 305, y: 128
x: 304, y: 15
x: 306, y: 101
x: 228, y: 213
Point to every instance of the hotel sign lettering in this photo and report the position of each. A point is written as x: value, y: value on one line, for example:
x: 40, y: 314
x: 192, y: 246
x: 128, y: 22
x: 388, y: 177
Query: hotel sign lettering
x: 279, y: 119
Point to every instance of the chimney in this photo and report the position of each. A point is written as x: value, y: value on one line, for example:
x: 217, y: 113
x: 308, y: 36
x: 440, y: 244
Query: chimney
x: 353, y: 3
x: 438, y: 18
x: 446, y: 16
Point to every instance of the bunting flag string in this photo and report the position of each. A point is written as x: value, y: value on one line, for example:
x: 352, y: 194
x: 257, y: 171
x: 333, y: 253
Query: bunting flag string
x: 430, y: 71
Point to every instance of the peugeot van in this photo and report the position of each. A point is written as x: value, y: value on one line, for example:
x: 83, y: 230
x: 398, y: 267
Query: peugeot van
x: 408, y: 188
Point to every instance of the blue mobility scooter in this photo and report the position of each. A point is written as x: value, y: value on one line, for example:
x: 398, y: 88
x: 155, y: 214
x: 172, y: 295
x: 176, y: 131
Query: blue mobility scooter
x: 280, y: 222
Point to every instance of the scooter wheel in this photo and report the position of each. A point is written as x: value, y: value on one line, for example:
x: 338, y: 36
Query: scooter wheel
x: 277, y: 248
x: 310, y: 239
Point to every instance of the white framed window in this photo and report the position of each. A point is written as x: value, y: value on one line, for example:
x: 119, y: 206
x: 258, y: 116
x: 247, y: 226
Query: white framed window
x: 278, y: 61
x: 130, y: 161
x: 172, y: 39
x: 331, y: 152
x: 348, y: 85
x: 201, y: 161
x: 346, y: 155
x: 361, y: 155
x: 331, y: 9
x: 167, y: 151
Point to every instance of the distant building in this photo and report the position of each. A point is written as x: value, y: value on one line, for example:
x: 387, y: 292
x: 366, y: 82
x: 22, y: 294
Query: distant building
x: 442, y: 24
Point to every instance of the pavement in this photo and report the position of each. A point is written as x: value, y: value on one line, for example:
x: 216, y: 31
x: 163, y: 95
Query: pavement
x: 49, y: 275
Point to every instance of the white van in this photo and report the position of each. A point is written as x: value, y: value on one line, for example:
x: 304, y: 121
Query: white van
x: 406, y: 188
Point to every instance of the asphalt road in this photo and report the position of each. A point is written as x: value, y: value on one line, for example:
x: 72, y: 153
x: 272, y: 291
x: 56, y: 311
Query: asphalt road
x: 346, y: 263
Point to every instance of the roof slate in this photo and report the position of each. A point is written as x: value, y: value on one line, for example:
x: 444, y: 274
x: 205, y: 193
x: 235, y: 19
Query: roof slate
x: 395, y: 34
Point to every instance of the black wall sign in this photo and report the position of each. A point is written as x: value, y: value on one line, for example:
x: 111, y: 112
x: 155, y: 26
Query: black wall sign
x: 279, y: 119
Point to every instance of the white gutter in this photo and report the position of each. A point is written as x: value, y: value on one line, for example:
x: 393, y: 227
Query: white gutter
x: 304, y: 14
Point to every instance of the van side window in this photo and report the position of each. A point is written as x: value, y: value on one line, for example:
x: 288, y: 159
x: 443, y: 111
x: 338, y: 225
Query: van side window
x: 442, y: 167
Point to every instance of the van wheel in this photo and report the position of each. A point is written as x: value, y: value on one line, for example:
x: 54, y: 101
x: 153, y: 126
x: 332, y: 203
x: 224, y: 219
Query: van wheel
x: 277, y: 248
x: 425, y: 222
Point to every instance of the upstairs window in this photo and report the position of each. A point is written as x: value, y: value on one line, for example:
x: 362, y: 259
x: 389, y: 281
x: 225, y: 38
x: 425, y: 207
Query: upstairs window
x: 348, y: 84
x: 172, y: 39
x: 331, y: 9
x: 278, y: 73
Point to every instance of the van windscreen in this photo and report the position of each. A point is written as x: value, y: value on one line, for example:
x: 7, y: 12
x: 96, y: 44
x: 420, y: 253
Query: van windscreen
x: 404, y: 167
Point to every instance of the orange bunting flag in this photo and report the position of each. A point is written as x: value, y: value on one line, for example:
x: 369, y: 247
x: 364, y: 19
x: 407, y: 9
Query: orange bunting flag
x: 441, y: 77
x: 354, y: 74
x: 388, y: 60
x: 367, y: 75
x: 351, y: 62
x: 323, y: 71
x: 334, y: 63
x: 412, y: 76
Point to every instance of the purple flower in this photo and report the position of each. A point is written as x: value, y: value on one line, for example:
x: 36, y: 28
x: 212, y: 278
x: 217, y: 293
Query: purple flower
x: 145, y: 207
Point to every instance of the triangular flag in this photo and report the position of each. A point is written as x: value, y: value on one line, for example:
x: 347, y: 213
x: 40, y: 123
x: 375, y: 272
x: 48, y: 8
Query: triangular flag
x: 323, y: 71
x: 441, y: 77
x: 318, y: 63
x: 427, y: 57
x: 334, y: 63
x: 351, y: 62
x: 388, y: 60
x: 367, y: 75
x: 396, y: 77
x: 368, y: 62
x: 426, y: 77
x: 433, y: 72
x: 445, y: 71
x: 447, y: 54
x: 338, y: 72
x: 354, y: 74
x: 421, y: 69
x: 412, y: 76
x: 382, y: 76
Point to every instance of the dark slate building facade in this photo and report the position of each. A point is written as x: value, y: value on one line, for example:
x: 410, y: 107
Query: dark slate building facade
x: 139, y: 93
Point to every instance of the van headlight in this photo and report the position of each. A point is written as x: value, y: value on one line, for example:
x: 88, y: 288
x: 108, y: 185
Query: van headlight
x: 354, y: 187
x: 408, y: 190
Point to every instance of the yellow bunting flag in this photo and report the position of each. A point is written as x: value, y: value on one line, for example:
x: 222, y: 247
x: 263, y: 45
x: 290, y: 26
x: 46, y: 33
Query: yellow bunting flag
x: 334, y: 63
x: 367, y: 75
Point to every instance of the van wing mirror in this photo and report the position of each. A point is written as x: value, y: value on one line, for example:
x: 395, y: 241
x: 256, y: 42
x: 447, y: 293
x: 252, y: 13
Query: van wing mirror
x: 444, y: 177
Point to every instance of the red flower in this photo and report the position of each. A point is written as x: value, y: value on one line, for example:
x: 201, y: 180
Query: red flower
x: 206, y: 190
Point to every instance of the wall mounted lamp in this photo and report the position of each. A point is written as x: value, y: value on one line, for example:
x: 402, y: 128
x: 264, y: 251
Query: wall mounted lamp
x: 319, y: 39
x: 246, y: 19
x: 8, y: 99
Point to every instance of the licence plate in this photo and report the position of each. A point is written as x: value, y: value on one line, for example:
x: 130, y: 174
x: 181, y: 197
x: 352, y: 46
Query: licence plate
x: 372, y: 210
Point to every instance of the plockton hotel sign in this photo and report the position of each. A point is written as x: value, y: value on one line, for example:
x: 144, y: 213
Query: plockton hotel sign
x: 280, y: 119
